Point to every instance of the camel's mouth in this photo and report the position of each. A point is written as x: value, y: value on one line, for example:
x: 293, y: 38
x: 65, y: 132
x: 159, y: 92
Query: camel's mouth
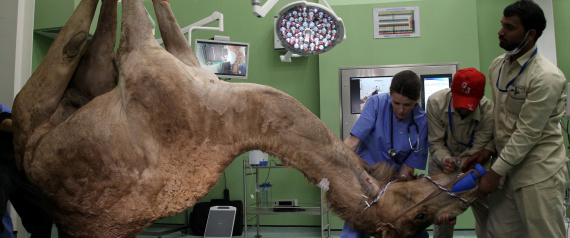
x: 446, y: 219
x: 453, y: 220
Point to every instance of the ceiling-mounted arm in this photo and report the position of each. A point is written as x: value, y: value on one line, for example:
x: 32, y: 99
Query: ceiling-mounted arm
x: 261, y: 11
x: 199, y: 25
x: 287, y: 56
x: 328, y: 6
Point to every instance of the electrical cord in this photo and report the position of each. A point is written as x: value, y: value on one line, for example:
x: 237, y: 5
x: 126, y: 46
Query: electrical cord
x: 566, y: 219
x: 565, y: 130
x: 566, y: 193
x: 226, y: 191
x: 268, y: 170
x: 266, y: 178
x: 225, y: 181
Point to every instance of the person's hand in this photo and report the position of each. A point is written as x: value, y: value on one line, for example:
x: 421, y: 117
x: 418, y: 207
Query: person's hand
x: 488, y: 184
x: 352, y: 142
x: 406, y: 173
x: 481, y: 157
x: 6, y: 125
x: 449, y: 165
x: 324, y: 184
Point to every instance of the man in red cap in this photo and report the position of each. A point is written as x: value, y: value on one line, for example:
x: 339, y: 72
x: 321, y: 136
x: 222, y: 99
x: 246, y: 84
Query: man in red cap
x: 460, y: 135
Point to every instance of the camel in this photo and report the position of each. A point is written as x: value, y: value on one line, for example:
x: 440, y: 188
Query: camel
x: 112, y: 159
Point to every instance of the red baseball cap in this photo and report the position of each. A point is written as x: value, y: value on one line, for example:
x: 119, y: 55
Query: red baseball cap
x: 467, y: 88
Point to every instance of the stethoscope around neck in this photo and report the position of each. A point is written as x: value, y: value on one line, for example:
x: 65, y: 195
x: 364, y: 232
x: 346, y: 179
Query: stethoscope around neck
x: 392, y: 152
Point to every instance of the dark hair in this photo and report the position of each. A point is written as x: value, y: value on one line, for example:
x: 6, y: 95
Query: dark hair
x: 406, y: 83
x: 530, y: 13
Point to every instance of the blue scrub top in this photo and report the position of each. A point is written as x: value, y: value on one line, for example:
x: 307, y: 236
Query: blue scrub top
x: 4, y: 108
x: 373, y: 129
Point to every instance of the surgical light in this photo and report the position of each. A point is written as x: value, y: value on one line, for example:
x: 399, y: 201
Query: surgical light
x: 304, y: 28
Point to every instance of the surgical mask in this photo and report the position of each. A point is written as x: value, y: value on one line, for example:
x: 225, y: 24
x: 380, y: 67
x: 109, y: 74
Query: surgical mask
x: 518, y: 49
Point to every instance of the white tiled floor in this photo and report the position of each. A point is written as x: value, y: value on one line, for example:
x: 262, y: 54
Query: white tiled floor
x: 282, y: 232
x: 268, y: 232
x: 297, y: 232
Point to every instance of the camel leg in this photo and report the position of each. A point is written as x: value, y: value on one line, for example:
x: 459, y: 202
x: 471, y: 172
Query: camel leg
x: 136, y: 34
x: 40, y: 97
x: 96, y: 73
x: 172, y: 36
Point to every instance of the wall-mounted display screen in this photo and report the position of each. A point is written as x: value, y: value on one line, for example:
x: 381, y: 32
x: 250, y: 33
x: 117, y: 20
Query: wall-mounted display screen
x: 224, y: 58
x: 434, y: 83
x: 362, y: 88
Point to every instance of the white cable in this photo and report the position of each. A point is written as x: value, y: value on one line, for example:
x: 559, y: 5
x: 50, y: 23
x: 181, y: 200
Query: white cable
x: 250, y: 181
x: 566, y: 219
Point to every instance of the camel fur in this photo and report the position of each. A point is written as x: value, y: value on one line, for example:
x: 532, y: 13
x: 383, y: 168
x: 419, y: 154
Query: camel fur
x: 112, y: 160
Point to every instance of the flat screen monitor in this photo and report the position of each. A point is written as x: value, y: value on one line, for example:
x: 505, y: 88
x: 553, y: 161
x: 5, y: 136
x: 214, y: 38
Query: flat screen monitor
x: 362, y: 88
x: 432, y: 84
x: 226, y: 59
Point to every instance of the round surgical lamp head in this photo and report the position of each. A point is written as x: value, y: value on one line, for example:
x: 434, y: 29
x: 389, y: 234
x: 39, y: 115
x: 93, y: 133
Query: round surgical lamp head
x: 306, y: 28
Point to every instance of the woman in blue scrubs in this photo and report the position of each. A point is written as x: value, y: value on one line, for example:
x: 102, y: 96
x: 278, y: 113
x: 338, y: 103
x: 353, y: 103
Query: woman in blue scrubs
x: 392, y: 128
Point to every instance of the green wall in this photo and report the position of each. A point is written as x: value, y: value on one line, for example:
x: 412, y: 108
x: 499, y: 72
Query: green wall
x: 451, y: 31
x: 562, y: 31
x: 442, y: 41
x: 45, y: 18
x: 489, y: 15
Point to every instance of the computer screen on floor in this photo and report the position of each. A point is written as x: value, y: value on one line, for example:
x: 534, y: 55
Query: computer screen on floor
x: 220, y: 222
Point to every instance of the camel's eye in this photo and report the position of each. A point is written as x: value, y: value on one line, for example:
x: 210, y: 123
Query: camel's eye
x: 420, y: 216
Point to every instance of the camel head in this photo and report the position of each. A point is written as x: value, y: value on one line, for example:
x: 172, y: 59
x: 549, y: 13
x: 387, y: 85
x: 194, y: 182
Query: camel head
x: 403, y: 208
